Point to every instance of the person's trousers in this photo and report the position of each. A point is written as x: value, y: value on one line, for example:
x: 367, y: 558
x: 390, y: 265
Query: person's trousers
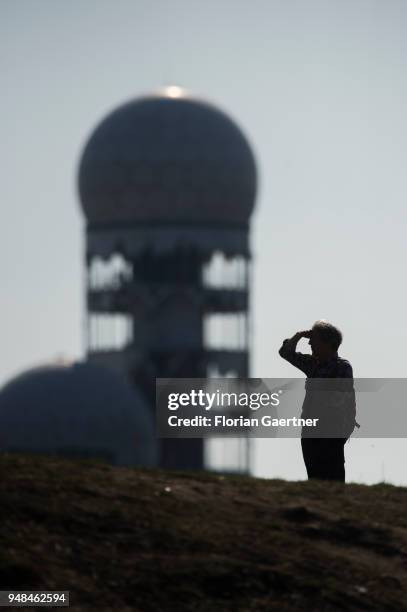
x: 324, y: 458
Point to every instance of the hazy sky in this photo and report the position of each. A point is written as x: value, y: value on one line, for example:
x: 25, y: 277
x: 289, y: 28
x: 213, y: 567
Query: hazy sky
x: 320, y: 89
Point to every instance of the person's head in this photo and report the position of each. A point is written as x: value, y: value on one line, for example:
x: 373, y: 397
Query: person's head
x: 325, y: 339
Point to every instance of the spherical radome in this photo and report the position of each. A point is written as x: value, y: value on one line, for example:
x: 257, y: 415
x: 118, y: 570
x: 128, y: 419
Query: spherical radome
x: 167, y: 159
x: 81, y: 410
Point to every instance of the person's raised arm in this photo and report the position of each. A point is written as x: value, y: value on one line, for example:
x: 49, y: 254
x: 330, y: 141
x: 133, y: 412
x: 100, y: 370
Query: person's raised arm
x: 300, y: 360
x: 290, y: 344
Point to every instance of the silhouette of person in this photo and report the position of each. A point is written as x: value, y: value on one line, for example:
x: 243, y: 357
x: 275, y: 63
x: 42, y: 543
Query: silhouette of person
x: 323, y: 448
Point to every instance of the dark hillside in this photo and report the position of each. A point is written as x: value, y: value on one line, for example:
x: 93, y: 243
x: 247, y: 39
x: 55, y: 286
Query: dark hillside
x: 148, y: 540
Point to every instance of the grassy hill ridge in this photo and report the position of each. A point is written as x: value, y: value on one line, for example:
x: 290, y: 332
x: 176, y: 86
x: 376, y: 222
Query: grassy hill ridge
x: 150, y: 540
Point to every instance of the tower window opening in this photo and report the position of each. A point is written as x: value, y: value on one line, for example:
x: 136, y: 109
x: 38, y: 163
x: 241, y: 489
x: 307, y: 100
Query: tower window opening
x: 109, y: 331
x: 225, y: 272
x: 225, y: 331
x: 110, y: 274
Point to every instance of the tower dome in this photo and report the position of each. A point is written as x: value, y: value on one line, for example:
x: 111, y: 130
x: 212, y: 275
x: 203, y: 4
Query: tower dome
x: 167, y: 159
x: 82, y: 410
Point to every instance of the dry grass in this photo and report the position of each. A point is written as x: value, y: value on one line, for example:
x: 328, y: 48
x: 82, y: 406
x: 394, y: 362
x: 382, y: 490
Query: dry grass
x: 149, y: 540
